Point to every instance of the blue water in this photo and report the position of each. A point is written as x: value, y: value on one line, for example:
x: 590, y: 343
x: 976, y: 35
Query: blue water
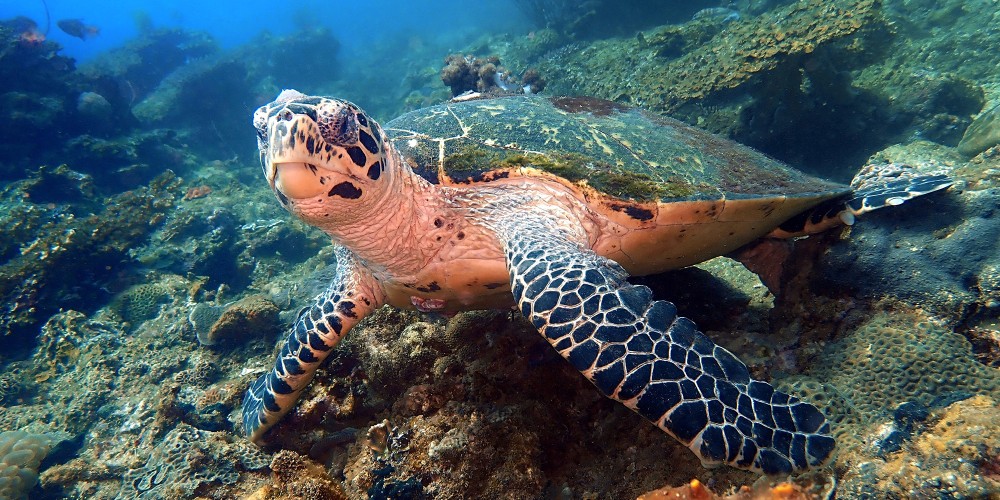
x: 232, y: 23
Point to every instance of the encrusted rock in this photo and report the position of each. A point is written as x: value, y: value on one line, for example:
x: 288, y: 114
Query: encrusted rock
x: 250, y: 316
x: 983, y: 133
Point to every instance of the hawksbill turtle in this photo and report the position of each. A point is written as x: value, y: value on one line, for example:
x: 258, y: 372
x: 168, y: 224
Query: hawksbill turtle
x: 547, y: 205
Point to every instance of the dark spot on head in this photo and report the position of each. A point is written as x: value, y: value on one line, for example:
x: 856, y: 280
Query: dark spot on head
x: 363, y: 119
x: 438, y: 222
x: 431, y: 287
x: 460, y: 235
x: 311, y: 145
x: 375, y: 171
x: 345, y: 190
x: 368, y: 141
x: 357, y: 156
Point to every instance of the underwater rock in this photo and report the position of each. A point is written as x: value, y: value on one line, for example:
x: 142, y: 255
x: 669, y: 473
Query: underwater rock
x: 58, y: 185
x: 939, y: 251
x: 47, y: 275
x: 93, y: 107
x: 983, y: 133
x: 142, y: 63
x: 217, y: 88
x: 192, y: 459
x: 255, y: 315
x: 955, y: 457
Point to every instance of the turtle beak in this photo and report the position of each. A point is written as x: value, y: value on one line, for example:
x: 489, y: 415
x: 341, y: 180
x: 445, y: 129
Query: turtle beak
x: 296, y: 180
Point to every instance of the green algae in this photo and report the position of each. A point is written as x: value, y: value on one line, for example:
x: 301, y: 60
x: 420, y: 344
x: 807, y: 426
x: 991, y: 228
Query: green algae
x: 472, y: 164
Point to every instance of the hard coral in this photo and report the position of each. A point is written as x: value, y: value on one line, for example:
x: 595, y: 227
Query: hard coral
x: 468, y: 73
x: 297, y: 477
x: 890, y: 360
x: 255, y: 314
x: 21, y: 453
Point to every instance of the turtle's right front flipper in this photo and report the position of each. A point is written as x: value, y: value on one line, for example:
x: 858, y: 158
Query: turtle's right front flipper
x: 639, y: 352
x: 351, y: 296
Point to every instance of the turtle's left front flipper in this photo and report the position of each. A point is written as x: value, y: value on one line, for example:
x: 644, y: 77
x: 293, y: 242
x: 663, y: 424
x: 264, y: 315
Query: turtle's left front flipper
x: 639, y: 352
x: 351, y: 296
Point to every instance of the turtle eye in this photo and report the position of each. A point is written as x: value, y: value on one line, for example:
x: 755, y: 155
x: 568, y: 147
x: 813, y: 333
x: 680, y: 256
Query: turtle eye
x: 339, y: 128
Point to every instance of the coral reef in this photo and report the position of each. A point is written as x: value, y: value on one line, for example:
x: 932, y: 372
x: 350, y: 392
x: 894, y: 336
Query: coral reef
x: 193, y: 459
x: 763, y: 489
x: 955, y: 457
x: 945, y: 240
x: 254, y: 315
x: 591, y: 19
x: 893, y: 330
x: 140, y: 302
x: 468, y: 73
x: 46, y: 276
x: 21, y: 454
x: 297, y: 477
x: 883, y: 364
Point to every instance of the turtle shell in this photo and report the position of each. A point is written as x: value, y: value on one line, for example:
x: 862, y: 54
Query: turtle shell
x: 617, y: 151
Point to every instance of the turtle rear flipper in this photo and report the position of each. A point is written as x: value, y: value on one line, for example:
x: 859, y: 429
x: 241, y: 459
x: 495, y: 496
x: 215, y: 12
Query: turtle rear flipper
x: 875, y: 186
x: 639, y: 352
x: 880, y: 185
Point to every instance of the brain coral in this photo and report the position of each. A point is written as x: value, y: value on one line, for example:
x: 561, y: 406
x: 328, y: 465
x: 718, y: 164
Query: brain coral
x: 193, y: 458
x: 887, y: 361
x: 141, y: 302
x: 20, y: 455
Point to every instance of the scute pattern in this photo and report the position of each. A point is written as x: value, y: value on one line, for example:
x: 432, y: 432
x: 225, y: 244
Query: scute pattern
x: 316, y: 332
x: 639, y: 352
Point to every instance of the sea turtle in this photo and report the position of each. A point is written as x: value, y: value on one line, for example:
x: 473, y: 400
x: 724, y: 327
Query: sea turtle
x: 547, y: 204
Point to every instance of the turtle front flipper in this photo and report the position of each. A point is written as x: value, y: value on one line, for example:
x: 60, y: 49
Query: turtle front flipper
x: 351, y: 296
x: 638, y: 351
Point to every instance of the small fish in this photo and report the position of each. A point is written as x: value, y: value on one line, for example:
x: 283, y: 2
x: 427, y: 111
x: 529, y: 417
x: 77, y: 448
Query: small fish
x: 77, y: 28
x: 723, y: 13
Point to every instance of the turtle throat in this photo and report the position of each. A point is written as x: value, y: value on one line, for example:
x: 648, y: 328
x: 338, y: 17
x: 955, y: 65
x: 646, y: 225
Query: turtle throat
x: 387, y: 230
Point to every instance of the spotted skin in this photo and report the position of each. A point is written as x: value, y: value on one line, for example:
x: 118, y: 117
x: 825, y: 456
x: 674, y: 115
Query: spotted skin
x: 350, y: 297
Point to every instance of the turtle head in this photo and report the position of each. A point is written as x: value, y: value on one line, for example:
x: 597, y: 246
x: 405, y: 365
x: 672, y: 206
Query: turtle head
x: 323, y: 157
